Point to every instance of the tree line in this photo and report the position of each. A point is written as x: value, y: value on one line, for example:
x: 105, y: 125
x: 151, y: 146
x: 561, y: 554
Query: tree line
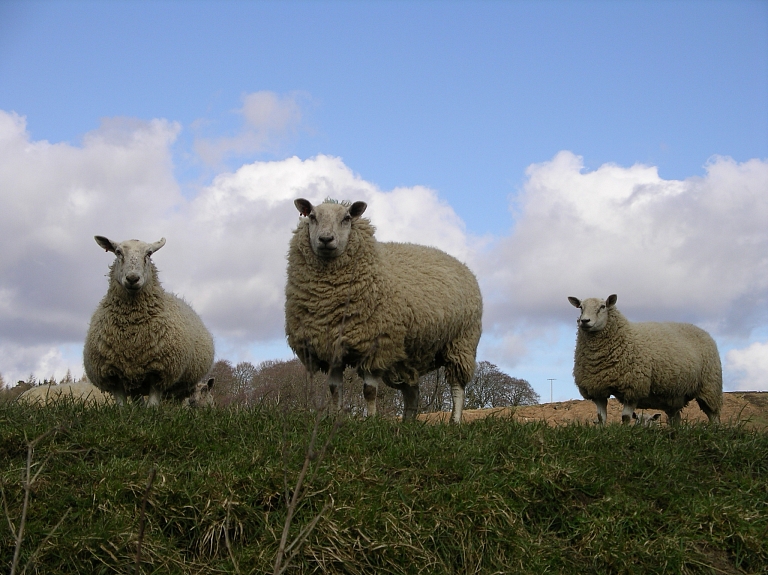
x: 286, y: 384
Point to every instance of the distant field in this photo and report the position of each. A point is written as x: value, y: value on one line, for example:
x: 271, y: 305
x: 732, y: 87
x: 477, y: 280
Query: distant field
x: 748, y: 408
x: 492, y: 496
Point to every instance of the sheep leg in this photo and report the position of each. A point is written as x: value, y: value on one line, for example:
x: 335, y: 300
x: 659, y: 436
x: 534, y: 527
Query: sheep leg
x: 673, y: 416
x: 457, y: 394
x: 710, y: 413
x: 335, y: 378
x: 626, y: 413
x: 411, y: 401
x: 602, y: 410
x: 370, y: 389
x: 155, y: 395
x: 120, y: 397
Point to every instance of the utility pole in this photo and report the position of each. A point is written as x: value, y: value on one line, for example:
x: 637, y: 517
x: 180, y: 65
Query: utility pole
x: 551, y: 379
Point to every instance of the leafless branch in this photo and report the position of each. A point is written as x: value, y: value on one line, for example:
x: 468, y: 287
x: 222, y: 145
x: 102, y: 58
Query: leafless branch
x: 142, y: 517
x: 27, y: 482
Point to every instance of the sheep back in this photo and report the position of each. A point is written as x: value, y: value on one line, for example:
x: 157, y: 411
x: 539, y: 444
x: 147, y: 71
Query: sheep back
x: 80, y: 391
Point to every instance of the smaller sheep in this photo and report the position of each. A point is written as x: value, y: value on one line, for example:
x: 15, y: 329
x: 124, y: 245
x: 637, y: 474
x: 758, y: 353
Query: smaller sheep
x: 644, y: 420
x: 202, y: 397
x: 143, y: 340
x: 645, y: 365
x: 81, y: 392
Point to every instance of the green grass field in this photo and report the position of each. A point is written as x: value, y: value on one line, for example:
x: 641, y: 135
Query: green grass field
x: 493, y: 496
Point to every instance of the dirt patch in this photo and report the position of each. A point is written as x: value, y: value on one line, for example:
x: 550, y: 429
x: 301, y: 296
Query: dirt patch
x: 749, y: 408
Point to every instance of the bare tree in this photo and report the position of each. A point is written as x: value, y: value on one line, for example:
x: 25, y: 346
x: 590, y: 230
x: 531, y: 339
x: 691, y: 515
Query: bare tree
x: 491, y: 387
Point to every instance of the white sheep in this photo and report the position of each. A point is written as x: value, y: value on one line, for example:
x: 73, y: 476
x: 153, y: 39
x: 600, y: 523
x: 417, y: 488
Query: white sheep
x: 645, y: 365
x: 143, y: 340
x: 79, y: 391
x: 393, y: 311
x: 202, y: 396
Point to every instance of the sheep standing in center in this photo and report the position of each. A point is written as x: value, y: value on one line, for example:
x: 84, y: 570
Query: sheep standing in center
x: 393, y: 311
x: 143, y: 340
x: 647, y: 365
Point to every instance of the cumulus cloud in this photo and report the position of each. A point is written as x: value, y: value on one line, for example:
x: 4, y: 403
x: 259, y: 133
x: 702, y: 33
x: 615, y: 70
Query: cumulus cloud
x: 233, y: 263
x: 55, y: 197
x: 692, y: 250
x: 268, y: 118
x: 225, y: 250
x: 750, y: 365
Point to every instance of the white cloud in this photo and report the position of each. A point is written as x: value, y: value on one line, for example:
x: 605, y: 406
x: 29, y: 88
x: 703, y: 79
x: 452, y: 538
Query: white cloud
x: 268, y: 119
x: 225, y: 250
x: 693, y: 250
x: 235, y: 236
x: 751, y: 364
x: 55, y: 198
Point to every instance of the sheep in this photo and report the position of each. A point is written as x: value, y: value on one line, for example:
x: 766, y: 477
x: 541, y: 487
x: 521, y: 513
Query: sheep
x: 645, y: 365
x: 80, y: 391
x: 392, y: 311
x: 143, y: 340
x: 203, y: 396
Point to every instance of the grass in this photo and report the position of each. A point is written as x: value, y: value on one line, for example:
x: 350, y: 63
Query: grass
x: 493, y: 496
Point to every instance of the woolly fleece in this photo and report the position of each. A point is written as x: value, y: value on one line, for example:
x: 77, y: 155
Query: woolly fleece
x: 646, y: 365
x: 395, y: 310
x: 145, y: 340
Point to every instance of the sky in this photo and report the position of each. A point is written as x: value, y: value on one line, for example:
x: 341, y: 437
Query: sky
x: 560, y: 149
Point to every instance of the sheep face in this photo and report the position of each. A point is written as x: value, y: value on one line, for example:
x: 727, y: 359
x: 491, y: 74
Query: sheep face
x: 202, y: 397
x: 594, y: 312
x: 329, y: 225
x: 132, y: 265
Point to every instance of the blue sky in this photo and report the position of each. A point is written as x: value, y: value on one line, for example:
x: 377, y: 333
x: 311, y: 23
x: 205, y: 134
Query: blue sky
x: 461, y: 105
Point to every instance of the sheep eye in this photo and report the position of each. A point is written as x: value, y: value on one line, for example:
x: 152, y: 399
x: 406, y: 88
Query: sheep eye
x: 347, y: 218
x: 312, y: 217
x: 602, y: 306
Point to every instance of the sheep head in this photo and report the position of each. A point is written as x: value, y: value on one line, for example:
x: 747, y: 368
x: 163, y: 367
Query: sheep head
x: 203, y: 396
x: 329, y: 225
x: 594, y: 312
x: 132, y: 267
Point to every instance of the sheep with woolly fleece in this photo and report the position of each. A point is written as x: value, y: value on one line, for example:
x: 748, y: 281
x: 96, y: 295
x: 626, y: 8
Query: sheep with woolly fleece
x: 79, y: 391
x: 202, y: 396
x: 393, y: 311
x: 143, y: 340
x: 648, y: 365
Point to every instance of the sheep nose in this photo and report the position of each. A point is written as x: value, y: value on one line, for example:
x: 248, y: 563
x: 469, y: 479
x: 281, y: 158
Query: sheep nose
x: 585, y: 322
x: 326, y: 239
x: 132, y: 278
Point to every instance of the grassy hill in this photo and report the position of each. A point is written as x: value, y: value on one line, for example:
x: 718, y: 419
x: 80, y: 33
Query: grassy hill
x: 493, y: 496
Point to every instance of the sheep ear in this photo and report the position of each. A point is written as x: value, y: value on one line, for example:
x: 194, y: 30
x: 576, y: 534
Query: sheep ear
x: 357, y: 209
x: 105, y: 243
x: 156, y: 246
x: 611, y: 301
x: 210, y: 383
x: 304, y: 206
x: 574, y: 301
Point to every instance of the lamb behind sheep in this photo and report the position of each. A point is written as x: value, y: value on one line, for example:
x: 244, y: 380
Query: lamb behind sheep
x: 393, y: 311
x: 645, y: 365
x: 143, y: 340
x: 79, y: 391
x: 202, y: 396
